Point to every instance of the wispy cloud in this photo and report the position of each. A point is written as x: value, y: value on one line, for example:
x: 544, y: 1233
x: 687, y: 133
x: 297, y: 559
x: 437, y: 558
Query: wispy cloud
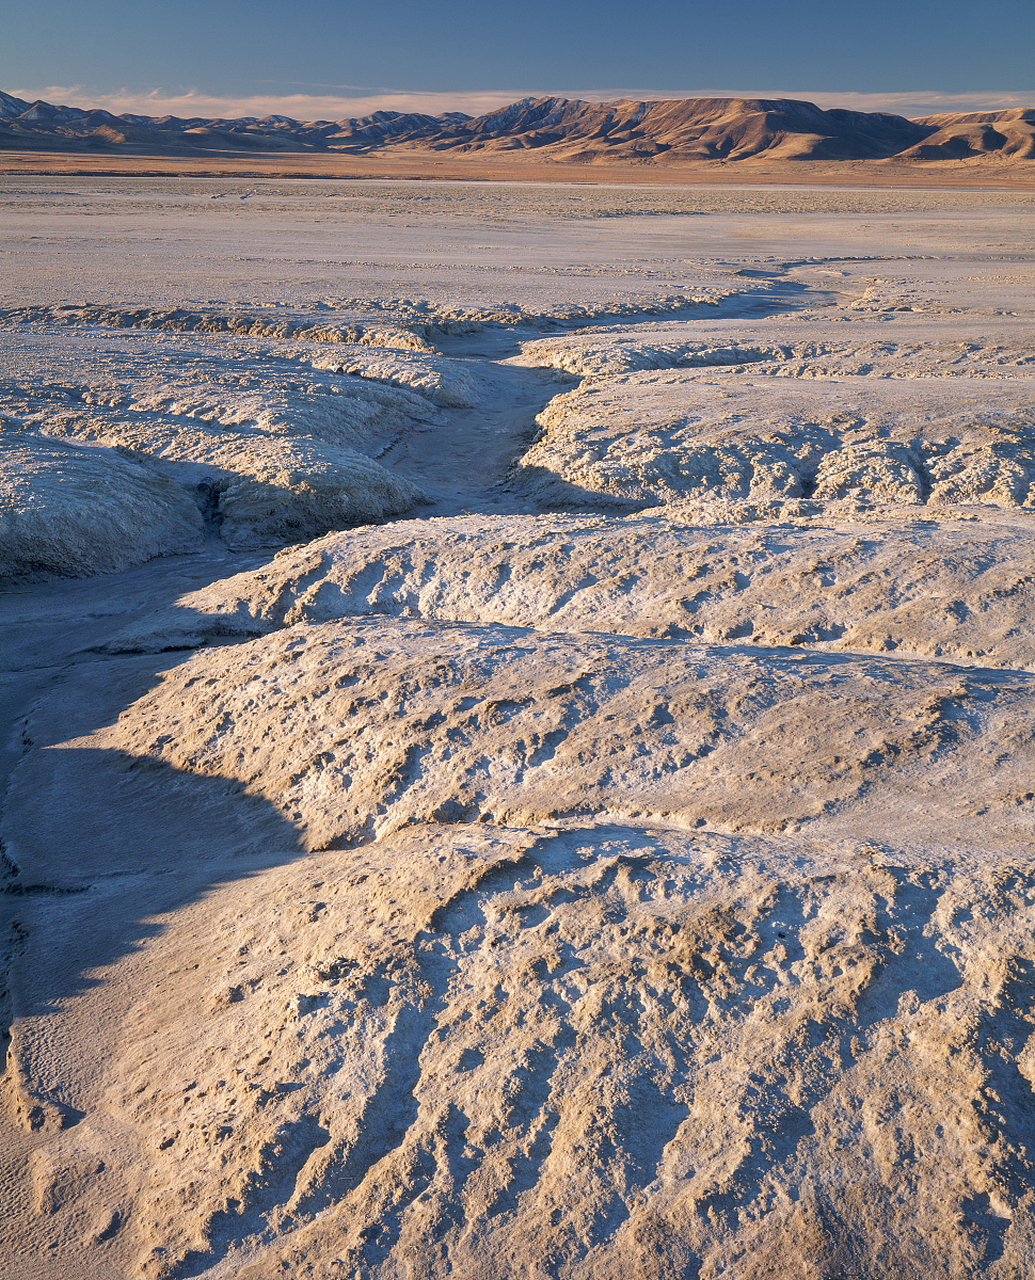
x: 361, y: 102
x: 919, y: 103
x: 912, y: 103
x: 299, y: 106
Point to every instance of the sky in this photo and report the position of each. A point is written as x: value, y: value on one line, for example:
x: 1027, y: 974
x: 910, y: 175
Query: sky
x: 326, y: 59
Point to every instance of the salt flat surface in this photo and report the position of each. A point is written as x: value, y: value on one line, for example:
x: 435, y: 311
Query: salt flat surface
x: 520, y: 750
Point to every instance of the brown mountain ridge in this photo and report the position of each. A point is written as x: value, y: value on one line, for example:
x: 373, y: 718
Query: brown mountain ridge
x: 679, y: 131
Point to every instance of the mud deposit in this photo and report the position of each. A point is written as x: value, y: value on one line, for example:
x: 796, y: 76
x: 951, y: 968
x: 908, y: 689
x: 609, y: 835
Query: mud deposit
x: 519, y: 754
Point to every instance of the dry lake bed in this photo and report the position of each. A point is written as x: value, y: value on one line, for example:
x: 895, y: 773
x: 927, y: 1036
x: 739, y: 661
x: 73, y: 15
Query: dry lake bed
x: 519, y: 731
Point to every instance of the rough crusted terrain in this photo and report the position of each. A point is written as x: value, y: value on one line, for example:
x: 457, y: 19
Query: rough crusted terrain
x: 620, y: 865
x: 644, y: 438
x: 125, y: 513
x: 831, y: 576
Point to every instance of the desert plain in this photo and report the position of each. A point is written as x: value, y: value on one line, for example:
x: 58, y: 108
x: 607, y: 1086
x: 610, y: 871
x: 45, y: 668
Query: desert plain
x: 519, y: 751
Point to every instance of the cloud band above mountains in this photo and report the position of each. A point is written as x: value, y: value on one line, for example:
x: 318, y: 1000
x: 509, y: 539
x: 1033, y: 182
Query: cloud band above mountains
x: 352, y: 103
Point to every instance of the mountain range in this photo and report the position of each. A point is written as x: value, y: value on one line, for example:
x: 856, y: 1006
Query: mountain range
x: 679, y: 131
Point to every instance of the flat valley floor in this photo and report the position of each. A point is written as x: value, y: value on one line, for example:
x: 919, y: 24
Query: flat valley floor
x: 519, y: 731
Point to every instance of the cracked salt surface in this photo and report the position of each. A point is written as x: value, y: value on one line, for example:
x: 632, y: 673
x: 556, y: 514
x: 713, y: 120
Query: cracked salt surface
x: 599, y: 842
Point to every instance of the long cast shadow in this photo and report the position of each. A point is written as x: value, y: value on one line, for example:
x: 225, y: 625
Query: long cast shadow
x: 94, y: 843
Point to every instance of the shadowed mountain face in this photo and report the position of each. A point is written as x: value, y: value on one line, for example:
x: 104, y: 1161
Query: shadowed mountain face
x: 679, y: 131
x: 1010, y: 133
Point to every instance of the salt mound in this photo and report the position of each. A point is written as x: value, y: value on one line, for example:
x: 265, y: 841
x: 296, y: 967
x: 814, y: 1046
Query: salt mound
x: 807, y: 573
x: 645, y: 438
x: 605, y: 355
x: 516, y: 727
x: 497, y: 1050
x: 608, y: 352
x: 275, y: 451
x: 189, y: 320
x: 358, y: 415
x: 262, y: 490
x: 73, y: 511
x: 444, y: 381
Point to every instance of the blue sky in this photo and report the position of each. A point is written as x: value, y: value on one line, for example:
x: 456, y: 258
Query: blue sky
x: 310, y: 58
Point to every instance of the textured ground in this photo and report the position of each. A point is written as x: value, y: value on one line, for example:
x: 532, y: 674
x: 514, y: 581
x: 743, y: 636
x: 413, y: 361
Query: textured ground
x: 608, y: 856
